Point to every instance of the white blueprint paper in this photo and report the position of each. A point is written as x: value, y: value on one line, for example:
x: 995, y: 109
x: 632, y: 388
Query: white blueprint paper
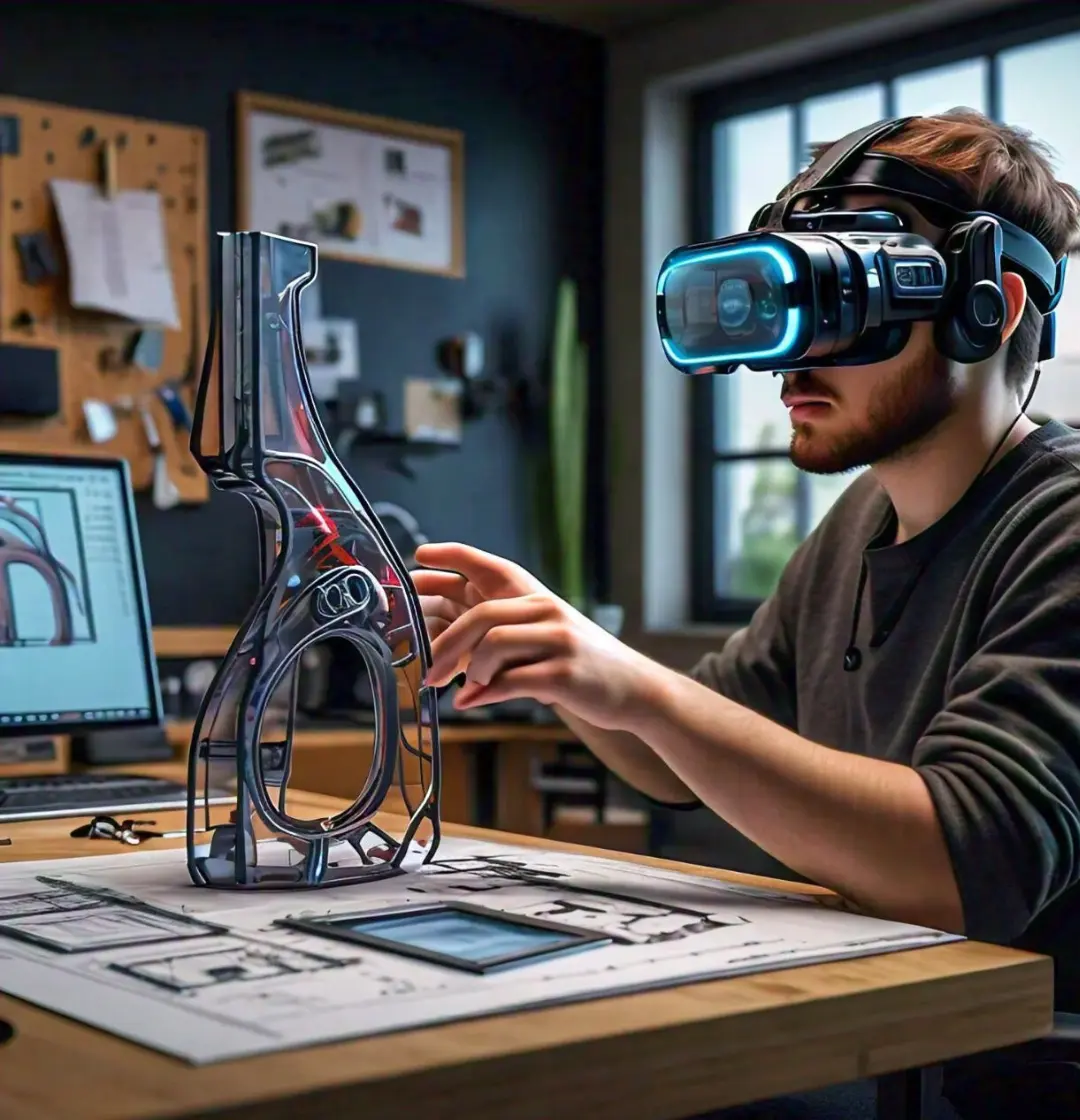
x: 206, y: 975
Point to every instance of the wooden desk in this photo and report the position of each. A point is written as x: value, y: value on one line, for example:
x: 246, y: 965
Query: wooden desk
x: 657, y: 1056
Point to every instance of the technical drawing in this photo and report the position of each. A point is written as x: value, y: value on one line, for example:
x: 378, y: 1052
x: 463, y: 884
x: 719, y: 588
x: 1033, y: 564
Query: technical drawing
x: 233, y: 982
x: 42, y: 602
x: 328, y: 569
x: 68, y: 918
x: 553, y: 895
x: 243, y: 961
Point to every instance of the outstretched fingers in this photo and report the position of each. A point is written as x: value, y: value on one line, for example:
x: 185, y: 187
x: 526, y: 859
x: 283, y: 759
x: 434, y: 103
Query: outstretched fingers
x: 503, y: 647
x: 491, y: 575
x: 448, y: 585
x: 452, y: 651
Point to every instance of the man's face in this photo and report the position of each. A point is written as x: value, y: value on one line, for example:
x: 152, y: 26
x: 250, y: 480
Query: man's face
x: 847, y: 417
x: 854, y: 416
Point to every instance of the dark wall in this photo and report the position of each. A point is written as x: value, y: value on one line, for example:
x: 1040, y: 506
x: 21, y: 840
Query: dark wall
x: 529, y: 101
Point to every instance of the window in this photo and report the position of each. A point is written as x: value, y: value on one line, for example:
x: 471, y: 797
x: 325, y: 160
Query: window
x: 751, y: 506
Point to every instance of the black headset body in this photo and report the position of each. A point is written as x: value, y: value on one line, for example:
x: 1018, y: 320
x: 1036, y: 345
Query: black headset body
x: 973, y: 313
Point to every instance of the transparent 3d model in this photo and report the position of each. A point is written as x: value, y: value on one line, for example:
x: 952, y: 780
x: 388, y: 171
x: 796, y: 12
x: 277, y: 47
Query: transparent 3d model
x: 328, y: 571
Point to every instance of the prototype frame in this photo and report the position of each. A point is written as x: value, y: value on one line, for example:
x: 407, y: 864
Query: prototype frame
x: 455, y: 934
x: 328, y: 569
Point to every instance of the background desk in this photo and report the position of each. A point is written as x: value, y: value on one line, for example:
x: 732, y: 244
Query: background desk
x: 488, y: 771
x: 488, y: 767
x: 656, y: 1056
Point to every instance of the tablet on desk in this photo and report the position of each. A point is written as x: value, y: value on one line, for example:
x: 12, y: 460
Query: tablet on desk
x: 456, y: 934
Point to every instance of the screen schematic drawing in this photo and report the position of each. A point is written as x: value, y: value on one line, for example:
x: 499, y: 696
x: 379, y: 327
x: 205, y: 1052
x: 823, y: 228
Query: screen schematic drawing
x: 328, y: 569
x: 43, y: 600
x: 76, y: 652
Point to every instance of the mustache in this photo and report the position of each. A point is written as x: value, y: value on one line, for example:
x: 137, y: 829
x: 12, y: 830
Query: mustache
x: 803, y: 384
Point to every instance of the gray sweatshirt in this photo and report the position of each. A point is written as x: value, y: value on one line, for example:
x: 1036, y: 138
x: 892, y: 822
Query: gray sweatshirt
x: 962, y: 655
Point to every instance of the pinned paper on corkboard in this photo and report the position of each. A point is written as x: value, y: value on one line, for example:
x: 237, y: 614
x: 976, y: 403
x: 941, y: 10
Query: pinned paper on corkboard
x: 433, y: 410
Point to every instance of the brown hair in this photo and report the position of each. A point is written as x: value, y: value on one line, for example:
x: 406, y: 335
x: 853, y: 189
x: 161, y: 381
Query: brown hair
x: 1005, y: 171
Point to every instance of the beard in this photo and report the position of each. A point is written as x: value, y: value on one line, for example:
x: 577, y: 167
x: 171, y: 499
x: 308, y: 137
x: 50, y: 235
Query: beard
x: 907, y: 409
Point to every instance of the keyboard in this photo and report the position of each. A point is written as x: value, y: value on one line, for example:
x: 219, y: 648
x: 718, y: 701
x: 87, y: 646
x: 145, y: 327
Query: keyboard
x: 68, y: 795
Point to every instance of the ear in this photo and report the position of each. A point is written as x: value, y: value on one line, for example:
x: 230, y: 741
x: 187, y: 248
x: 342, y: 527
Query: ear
x: 1015, y: 301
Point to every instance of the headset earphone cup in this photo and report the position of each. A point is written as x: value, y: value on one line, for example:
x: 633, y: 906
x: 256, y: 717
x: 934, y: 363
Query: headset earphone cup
x: 969, y: 326
x: 970, y: 329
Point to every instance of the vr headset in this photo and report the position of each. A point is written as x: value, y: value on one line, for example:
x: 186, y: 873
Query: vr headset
x: 817, y: 286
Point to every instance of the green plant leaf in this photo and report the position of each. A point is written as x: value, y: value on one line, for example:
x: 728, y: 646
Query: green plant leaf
x: 568, y: 419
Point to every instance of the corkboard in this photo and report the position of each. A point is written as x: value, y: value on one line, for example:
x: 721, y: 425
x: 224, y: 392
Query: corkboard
x: 330, y: 130
x: 48, y: 142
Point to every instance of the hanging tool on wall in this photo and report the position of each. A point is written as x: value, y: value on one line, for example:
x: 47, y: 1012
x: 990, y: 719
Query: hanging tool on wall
x: 172, y: 393
x: 164, y: 493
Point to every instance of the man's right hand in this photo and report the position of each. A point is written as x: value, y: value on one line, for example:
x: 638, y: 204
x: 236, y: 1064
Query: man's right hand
x: 492, y: 620
x: 515, y: 639
x: 447, y: 594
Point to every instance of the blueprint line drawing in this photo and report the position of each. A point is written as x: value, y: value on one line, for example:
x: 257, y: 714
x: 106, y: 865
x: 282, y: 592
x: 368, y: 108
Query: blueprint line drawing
x: 557, y: 898
x: 72, y: 919
x: 44, y: 591
x: 127, y: 944
x: 231, y: 963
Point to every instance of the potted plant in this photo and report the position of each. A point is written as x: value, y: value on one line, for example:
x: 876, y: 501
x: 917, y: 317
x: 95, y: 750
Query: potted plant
x: 568, y: 417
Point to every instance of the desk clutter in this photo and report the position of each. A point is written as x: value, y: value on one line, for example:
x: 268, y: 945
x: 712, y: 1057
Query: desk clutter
x: 126, y: 944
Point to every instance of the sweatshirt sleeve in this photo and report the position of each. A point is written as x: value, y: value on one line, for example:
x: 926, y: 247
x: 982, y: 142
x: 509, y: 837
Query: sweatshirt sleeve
x: 1002, y: 758
x: 756, y: 667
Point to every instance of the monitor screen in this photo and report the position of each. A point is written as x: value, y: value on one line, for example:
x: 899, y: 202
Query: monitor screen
x: 75, y: 642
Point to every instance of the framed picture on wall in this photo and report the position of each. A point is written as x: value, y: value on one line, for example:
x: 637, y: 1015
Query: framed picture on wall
x: 362, y: 188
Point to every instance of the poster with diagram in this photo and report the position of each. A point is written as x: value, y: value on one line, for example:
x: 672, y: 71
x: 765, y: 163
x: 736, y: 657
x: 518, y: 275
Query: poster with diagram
x: 44, y: 590
x: 126, y: 944
x: 360, y: 188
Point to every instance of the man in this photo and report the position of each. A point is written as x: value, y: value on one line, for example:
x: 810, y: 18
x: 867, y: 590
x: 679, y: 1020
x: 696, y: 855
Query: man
x: 900, y: 721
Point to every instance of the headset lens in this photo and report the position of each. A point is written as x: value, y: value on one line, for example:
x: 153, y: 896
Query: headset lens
x: 720, y: 306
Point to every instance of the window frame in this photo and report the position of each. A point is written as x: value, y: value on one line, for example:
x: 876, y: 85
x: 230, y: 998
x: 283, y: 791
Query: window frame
x: 986, y: 37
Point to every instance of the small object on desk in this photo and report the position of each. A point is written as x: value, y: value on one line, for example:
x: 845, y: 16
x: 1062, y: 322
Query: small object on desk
x: 5, y: 841
x: 126, y: 831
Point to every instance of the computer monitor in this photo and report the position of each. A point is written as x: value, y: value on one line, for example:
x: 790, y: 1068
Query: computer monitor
x: 76, y: 652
